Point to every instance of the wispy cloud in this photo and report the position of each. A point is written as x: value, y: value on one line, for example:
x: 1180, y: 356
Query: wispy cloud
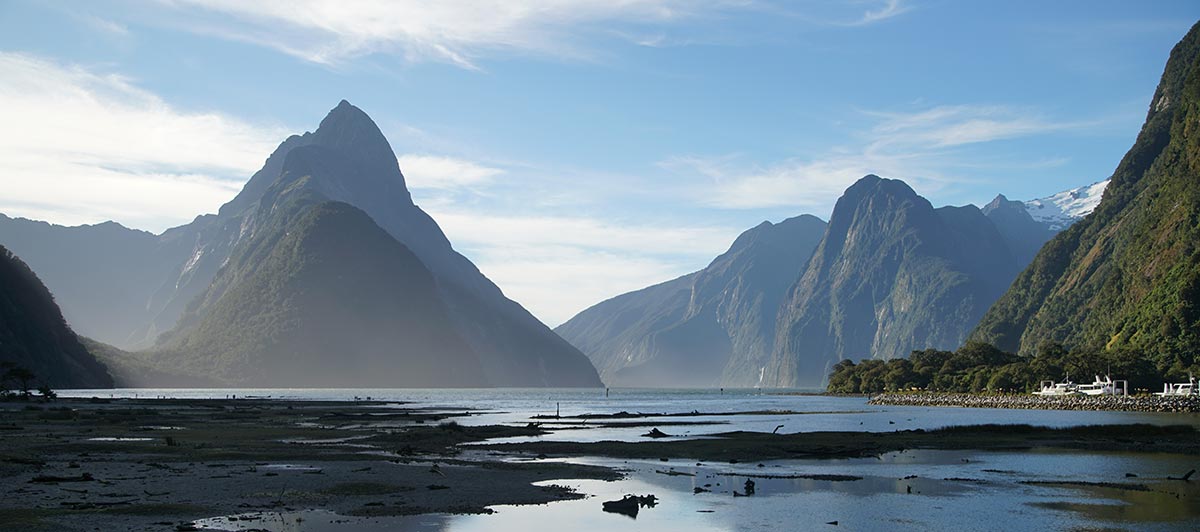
x: 462, y: 32
x: 924, y: 147
x: 83, y: 146
x: 101, y: 24
x: 806, y: 186
x: 956, y: 125
x: 454, y: 31
x: 889, y: 9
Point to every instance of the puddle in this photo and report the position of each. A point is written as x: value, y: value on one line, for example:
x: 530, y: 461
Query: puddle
x: 289, y: 467
x: 327, y: 441
x: 1160, y: 502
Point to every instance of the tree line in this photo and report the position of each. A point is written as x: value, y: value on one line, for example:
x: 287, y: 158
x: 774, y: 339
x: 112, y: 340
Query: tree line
x: 17, y: 382
x: 979, y: 367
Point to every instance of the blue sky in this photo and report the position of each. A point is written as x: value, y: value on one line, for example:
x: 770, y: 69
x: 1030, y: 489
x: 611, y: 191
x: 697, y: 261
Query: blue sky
x: 576, y: 149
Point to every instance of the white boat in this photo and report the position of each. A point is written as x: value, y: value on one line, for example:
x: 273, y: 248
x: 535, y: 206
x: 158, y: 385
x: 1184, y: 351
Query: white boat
x: 1053, y: 389
x: 1105, y: 386
x: 1179, y: 389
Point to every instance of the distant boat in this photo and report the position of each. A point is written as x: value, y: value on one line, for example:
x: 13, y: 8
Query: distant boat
x: 1060, y: 389
x: 1105, y: 386
x: 1179, y: 389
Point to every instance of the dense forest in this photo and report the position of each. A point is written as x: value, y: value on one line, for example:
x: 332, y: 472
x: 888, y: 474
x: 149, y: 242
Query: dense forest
x: 35, y: 337
x: 981, y: 367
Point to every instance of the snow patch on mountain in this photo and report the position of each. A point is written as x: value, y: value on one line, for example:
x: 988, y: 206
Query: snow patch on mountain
x: 1061, y: 210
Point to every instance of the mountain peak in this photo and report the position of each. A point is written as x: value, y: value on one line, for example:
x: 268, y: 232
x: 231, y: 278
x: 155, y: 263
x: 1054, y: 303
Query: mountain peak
x: 1001, y: 203
x: 872, y: 193
x: 348, y: 129
x: 866, y: 181
x: 345, y: 113
x: 876, y: 184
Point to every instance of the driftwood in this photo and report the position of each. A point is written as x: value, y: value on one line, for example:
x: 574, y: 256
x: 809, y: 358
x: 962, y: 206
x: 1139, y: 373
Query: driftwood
x: 655, y: 433
x: 1185, y: 478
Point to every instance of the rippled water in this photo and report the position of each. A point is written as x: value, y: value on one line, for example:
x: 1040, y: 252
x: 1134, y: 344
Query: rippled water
x: 911, y: 490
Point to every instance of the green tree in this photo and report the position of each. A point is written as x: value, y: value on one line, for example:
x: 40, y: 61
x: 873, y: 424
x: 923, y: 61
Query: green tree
x: 22, y: 377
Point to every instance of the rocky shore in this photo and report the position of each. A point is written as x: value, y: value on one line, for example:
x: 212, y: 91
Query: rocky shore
x: 1131, y: 403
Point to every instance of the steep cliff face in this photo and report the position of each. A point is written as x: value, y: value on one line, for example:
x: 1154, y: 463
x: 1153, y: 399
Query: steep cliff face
x: 892, y: 274
x: 1128, y: 275
x: 34, y: 335
x: 714, y: 327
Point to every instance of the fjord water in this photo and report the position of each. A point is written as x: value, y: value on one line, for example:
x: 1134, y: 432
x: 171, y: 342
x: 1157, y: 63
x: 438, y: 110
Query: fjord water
x: 807, y: 411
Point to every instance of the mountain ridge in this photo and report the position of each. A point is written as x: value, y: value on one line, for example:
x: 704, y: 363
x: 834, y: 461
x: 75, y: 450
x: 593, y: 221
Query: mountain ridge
x: 891, y: 274
x: 709, y: 328
x: 1127, y: 276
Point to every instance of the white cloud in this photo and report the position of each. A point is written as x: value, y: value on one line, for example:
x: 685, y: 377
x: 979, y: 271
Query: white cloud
x: 444, y: 173
x: 557, y: 266
x: 455, y: 31
x: 80, y: 146
x: 889, y: 9
x: 956, y: 125
x: 474, y: 228
x: 806, y: 186
x: 556, y: 284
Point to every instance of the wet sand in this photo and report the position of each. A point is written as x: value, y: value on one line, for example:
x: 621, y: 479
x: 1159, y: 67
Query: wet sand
x: 160, y: 464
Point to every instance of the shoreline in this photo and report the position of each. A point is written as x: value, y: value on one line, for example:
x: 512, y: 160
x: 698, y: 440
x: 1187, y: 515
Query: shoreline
x: 1117, y: 403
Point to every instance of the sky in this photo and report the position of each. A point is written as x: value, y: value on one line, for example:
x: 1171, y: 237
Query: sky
x: 576, y: 149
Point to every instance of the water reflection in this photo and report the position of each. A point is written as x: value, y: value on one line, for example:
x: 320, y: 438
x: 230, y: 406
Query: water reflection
x: 909, y: 490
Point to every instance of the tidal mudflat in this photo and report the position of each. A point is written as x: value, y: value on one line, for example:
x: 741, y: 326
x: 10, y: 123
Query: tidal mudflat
x: 317, y: 465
